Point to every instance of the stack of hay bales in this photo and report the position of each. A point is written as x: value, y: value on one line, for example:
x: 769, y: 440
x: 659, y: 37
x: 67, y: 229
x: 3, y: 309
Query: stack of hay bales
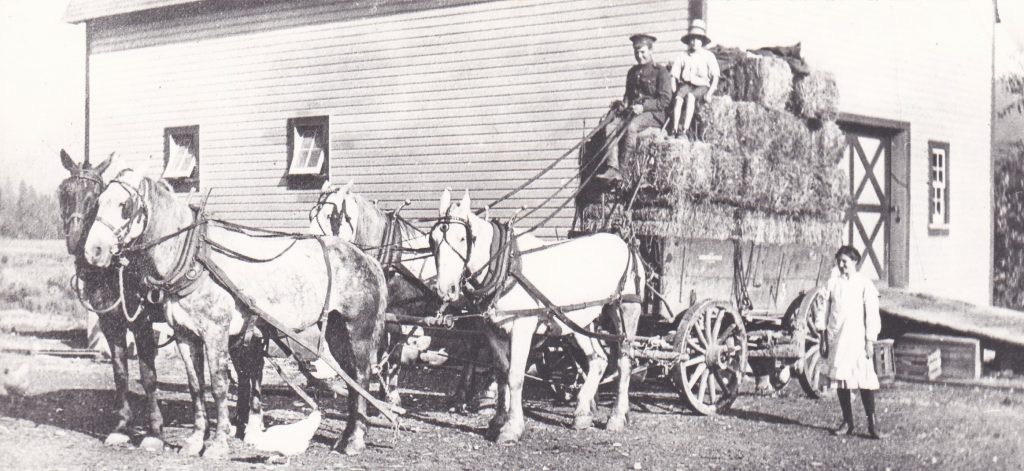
x: 766, y: 168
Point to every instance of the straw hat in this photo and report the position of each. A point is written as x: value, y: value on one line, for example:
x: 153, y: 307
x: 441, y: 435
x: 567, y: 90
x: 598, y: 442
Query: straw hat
x: 698, y: 29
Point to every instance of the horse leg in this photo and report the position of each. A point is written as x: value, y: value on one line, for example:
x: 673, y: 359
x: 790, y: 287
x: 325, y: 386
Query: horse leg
x: 114, y: 330
x: 218, y: 358
x: 521, y: 336
x: 630, y: 319
x: 597, y: 361
x: 499, y: 350
x: 192, y: 354
x: 393, y: 367
x: 145, y: 342
x: 354, y: 346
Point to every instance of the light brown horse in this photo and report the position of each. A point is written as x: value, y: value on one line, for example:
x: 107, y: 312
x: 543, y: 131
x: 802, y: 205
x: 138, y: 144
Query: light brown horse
x: 299, y: 281
x: 99, y: 290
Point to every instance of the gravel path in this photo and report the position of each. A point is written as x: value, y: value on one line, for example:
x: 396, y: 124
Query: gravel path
x: 62, y: 421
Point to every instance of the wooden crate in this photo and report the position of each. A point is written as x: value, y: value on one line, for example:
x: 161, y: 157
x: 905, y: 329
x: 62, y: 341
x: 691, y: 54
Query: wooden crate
x: 918, y: 364
x: 961, y: 356
x: 885, y: 361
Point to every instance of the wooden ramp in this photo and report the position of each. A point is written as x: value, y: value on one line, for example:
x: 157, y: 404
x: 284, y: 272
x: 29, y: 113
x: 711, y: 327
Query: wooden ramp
x: 985, y: 322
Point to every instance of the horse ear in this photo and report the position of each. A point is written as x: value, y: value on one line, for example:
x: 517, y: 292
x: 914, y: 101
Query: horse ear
x: 326, y: 186
x: 347, y: 188
x: 446, y: 201
x: 465, y: 200
x: 103, y: 165
x: 66, y: 161
x: 487, y: 213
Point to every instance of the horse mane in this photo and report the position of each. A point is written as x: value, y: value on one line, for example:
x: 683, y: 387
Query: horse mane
x: 370, y: 224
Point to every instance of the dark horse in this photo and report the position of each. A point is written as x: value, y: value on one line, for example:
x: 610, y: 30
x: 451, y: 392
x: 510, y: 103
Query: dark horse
x: 299, y: 281
x: 100, y: 290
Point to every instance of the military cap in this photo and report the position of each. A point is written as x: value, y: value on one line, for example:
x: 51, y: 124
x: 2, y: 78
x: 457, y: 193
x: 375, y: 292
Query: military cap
x: 642, y: 38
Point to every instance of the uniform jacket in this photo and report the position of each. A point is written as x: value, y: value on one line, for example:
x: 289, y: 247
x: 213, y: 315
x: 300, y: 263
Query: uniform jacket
x: 649, y: 85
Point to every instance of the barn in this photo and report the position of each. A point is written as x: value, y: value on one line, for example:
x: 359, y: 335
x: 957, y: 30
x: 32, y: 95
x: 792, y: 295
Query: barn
x: 260, y: 102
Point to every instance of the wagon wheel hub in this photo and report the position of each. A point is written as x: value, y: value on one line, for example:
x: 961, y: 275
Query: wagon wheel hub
x: 715, y: 357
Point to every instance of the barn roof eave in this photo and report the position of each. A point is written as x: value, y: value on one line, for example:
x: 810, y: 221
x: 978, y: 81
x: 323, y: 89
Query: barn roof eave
x: 79, y: 11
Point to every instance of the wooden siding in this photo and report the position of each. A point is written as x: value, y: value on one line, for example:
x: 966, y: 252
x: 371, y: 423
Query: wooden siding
x: 480, y: 96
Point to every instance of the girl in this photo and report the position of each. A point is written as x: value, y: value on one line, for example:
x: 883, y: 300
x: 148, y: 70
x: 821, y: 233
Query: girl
x: 849, y: 339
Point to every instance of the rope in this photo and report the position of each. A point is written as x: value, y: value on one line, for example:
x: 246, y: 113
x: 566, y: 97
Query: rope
x: 124, y: 304
x: 75, y: 285
x: 583, y: 184
x: 607, y: 118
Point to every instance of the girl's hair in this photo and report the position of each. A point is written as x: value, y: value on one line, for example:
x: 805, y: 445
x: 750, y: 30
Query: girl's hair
x: 848, y: 251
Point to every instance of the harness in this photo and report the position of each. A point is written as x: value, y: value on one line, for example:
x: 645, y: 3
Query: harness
x: 505, y: 270
x: 195, y: 257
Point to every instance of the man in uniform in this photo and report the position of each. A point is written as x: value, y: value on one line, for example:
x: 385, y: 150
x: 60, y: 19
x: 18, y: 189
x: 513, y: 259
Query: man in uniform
x: 647, y: 99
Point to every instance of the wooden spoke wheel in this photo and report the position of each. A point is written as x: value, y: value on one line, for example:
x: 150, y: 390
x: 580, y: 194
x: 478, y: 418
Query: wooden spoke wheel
x: 811, y: 369
x: 557, y: 363
x: 713, y: 343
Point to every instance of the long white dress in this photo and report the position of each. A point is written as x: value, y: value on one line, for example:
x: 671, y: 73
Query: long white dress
x: 852, y: 321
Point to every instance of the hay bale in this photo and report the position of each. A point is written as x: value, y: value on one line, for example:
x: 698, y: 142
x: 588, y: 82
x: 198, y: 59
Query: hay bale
x: 760, y: 190
x: 829, y: 143
x: 718, y: 119
x: 763, y: 228
x: 686, y: 220
x: 754, y: 128
x: 727, y: 184
x: 816, y: 96
x: 790, y: 139
x: 761, y: 79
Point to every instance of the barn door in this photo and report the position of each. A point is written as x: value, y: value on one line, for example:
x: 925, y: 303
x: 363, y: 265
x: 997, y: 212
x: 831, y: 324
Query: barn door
x: 876, y: 222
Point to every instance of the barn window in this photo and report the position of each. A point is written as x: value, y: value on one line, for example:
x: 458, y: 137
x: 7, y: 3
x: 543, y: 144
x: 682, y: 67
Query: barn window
x: 181, y: 157
x: 938, y: 186
x: 308, y: 147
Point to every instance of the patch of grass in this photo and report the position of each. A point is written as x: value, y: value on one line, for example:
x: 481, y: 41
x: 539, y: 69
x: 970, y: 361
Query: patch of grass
x: 35, y: 275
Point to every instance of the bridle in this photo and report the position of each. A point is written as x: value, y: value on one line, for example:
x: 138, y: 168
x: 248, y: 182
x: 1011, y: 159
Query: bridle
x: 442, y: 225
x: 337, y: 216
x: 81, y: 209
x: 132, y: 208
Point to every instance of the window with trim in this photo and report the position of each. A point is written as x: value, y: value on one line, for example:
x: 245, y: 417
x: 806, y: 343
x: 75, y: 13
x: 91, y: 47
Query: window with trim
x: 181, y: 157
x: 938, y: 186
x: 308, y: 151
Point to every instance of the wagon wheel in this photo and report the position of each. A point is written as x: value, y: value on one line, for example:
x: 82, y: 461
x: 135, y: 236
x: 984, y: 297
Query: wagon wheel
x: 713, y: 344
x: 558, y: 365
x: 811, y: 368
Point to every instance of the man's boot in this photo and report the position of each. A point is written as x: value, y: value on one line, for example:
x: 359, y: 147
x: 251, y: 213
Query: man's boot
x: 873, y: 430
x: 609, y: 175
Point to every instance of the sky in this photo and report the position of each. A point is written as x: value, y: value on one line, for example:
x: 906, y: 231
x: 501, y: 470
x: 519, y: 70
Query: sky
x: 42, y: 85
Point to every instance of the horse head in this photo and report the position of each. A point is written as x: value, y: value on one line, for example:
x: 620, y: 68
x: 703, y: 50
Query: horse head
x: 333, y: 214
x: 453, y: 240
x: 121, y: 217
x: 78, y: 195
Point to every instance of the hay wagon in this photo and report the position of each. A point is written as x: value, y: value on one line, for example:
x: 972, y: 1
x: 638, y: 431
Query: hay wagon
x: 718, y: 309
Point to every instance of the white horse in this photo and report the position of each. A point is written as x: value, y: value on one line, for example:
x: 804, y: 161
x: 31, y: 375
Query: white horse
x: 583, y: 278
x: 407, y: 259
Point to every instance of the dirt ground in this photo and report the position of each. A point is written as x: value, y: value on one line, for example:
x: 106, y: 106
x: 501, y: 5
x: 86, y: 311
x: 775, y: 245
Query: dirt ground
x: 62, y: 421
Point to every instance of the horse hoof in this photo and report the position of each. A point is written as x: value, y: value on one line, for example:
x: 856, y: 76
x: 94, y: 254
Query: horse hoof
x: 582, y: 422
x: 152, y: 444
x: 192, y: 447
x: 507, y: 438
x: 354, y: 447
x: 216, y: 451
x: 116, y: 439
x: 616, y: 424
